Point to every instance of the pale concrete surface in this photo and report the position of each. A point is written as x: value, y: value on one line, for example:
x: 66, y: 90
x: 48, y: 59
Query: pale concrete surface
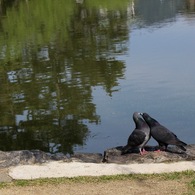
x: 57, y: 169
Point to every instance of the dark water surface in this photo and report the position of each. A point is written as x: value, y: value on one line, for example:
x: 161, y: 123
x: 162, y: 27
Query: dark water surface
x: 73, y: 72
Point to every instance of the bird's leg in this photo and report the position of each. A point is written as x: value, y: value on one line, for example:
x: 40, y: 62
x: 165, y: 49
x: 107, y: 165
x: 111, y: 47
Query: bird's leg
x: 161, y: 148
x: 142, y: 151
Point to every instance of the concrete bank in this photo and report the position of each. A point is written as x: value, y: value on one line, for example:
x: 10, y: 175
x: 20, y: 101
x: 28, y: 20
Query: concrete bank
x: 35, y: 164
x: 62, y: 169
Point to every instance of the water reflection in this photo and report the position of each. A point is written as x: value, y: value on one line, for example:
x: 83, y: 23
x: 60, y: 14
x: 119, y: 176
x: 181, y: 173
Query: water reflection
x: 48, y: 69
x: 157, y: 12
x: 190, y: 5
x: 53, y: 55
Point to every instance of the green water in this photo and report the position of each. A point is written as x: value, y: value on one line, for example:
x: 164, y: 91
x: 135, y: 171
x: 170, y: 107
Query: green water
x: 52, y: 53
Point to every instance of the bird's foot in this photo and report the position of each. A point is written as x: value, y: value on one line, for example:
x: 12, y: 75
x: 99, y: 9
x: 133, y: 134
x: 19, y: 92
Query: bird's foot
x: 142, y: 152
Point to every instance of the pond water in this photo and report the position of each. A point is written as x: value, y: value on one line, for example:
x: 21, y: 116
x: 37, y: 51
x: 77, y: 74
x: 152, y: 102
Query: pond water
x: 73, y: 72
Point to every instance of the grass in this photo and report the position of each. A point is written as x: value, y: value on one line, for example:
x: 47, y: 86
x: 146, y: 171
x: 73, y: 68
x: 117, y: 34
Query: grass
x: 191, y: 187
x: 188, y: 176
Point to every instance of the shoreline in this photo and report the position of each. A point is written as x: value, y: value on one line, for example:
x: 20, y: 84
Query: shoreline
x: 36, y: 164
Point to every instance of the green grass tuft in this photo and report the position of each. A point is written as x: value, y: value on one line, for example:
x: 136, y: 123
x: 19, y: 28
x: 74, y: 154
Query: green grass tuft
x: 186, y: 175
x: 191, y: 186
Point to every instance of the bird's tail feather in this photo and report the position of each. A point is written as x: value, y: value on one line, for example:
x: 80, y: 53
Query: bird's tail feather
x: 182, y: 143
x: 125, y: 149
x: 181, y: 147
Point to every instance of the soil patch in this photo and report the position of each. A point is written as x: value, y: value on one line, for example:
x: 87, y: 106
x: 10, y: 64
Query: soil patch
x: 138, y: 187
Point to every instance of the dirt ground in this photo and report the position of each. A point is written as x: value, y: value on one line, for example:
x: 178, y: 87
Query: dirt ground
x: 137, y: 187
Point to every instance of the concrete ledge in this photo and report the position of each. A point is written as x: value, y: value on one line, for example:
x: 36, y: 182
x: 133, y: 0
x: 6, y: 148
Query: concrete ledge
x: 58, y: 169
x: 37, y: 164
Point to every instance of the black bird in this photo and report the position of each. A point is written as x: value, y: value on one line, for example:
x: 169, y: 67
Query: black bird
x: 140, y: 135
x: 162, y: 135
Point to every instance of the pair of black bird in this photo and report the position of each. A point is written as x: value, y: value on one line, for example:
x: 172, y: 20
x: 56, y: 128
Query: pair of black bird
x: 145, y: 127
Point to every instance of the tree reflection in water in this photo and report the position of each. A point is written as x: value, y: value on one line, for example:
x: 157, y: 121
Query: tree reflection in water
x: 48, y: 69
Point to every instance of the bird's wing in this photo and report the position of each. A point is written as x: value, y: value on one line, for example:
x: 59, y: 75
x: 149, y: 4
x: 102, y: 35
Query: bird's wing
x: 136, y: 138
x: 162, y: 134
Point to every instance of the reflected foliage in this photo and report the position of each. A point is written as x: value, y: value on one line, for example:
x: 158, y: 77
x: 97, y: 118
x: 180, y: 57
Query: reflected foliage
x: 157, y: 12
x: 190, y: 5
x: 52, y: 55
